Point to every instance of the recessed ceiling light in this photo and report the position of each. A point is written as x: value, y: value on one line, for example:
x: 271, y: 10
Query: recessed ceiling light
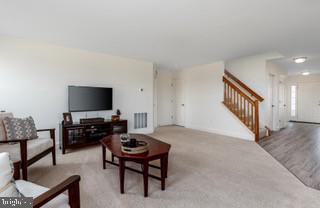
x: 300, y: 60
x: 305, y: 73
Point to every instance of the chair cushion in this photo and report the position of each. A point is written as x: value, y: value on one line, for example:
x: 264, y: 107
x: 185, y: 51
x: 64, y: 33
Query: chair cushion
x: 13, y: 150
x: 2, y: 129
x: 29, y: 189
x: 20, y: 128
x: 7, y: 185
x: 35, y: 146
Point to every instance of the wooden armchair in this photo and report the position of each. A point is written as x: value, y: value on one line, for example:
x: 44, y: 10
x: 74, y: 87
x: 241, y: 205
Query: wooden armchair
x: 29, y: 151
x: 71, y: 184
x: 54, y: 197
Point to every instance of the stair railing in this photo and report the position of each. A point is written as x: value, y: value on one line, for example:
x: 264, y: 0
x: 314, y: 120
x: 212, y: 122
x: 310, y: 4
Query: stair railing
x: 244, y: 107
x: 243, y: 85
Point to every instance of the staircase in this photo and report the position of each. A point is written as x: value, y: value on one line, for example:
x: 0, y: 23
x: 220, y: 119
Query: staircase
x: 243, y: 102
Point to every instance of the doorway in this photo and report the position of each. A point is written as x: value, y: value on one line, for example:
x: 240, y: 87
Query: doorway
x: 282, y: 106
x: 308, y: 98
x: 180, y: 102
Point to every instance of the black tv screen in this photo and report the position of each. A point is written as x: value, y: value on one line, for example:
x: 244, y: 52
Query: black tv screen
x: 89, y: 98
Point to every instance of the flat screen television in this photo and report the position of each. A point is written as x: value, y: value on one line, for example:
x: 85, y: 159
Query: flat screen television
x: 89, y: 98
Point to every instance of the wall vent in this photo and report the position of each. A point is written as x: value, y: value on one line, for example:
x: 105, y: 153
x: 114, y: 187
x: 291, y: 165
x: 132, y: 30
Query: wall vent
x: 140, y: 120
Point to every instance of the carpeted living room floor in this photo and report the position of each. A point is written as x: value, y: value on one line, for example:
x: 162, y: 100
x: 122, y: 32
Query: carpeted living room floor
x: 205, y: 170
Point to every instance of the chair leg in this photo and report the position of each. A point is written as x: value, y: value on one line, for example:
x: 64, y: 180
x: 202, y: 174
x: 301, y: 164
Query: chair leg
x: 54, y: 156
x: 74, y: 196
x: 24, y: 168
x: 17, y: 167
x: 112, y: 157
x: 24, y: 159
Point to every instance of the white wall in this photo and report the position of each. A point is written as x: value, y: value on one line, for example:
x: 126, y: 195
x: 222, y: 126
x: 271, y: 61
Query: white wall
x: 296, y: 79
x: 204, y: 95
x: 165, y: 97
x: 34, y: 79
x: 253, y: 72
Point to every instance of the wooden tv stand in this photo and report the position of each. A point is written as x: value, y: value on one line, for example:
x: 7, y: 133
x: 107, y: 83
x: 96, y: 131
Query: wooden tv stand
x: 79, y: 135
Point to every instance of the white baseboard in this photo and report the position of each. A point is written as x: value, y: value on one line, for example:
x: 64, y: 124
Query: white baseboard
x: 222, y: 132
x: 142, y: 131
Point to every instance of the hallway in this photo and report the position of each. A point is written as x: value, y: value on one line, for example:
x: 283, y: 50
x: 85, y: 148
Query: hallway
x: 298, y: 149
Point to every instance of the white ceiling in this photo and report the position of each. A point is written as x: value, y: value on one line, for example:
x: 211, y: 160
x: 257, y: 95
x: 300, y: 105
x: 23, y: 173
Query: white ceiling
x: 312, y: 65
x: 171, y: 33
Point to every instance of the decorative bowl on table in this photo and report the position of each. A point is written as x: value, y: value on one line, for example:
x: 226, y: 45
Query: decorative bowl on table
x: 134, y: 147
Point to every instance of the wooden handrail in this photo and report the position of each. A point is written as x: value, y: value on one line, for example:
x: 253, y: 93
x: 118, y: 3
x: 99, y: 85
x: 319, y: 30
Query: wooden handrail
x: 243, y: 85
x: 238, y: 89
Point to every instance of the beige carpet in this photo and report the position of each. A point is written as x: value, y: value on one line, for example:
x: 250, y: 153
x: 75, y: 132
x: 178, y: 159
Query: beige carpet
x: 205, y: 170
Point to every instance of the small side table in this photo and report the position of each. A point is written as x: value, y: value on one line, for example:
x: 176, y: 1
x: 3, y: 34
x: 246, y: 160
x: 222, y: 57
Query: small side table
x: 158, y: 150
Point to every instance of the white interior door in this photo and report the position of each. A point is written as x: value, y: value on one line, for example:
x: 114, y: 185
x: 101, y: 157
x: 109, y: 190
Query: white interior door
x: 271, y: 95
x: 180, y: 103
x: 309, y: 102
x: 282, y: 106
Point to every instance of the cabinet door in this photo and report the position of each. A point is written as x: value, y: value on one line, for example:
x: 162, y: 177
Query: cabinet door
x: 119, y: 128
x: 75, y: 135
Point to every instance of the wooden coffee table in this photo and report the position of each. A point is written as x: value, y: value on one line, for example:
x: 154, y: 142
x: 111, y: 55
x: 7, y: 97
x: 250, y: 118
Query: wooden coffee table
x: 157, y: 150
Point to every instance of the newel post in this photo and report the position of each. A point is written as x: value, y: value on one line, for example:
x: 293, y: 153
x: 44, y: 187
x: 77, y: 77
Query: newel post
x: 256, y: 107
x: 224, y: 92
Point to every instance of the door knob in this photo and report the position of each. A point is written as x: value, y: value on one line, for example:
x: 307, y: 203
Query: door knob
x: 183, y: 104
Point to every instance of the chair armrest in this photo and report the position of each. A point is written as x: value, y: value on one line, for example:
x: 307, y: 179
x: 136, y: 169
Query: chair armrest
x: 52, y: 132
x: 71, y: 184
x: 38, y: 130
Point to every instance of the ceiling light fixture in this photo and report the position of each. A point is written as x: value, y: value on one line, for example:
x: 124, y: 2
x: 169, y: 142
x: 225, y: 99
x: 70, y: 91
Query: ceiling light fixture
x: 305, y: 73
x: 300, y: 60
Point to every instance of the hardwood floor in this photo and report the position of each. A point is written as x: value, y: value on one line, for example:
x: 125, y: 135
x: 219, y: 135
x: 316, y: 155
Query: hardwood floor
x: 297, y: 147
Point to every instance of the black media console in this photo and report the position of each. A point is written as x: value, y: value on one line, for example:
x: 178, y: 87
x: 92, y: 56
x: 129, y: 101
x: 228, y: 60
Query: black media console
x: 83, y: 134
